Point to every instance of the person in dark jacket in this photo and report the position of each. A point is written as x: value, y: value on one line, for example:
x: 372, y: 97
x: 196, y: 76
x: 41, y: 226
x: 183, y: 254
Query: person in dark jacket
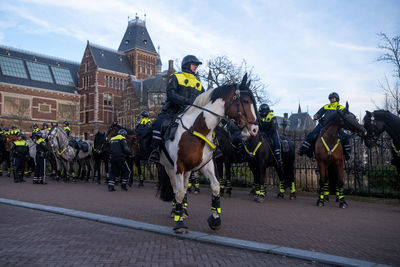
x: 182, y: 89
x: 119, y: 150
x: 308, y: 144
x: 269, y: 126
x: 41, y: 149
x: 19, y: 152
x: 35, y: 129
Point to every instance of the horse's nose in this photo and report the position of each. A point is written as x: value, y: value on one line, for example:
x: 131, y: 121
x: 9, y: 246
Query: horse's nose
x: 254, y: 130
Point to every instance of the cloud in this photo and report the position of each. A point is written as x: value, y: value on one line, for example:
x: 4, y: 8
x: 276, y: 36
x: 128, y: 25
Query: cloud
x: 352, y: 47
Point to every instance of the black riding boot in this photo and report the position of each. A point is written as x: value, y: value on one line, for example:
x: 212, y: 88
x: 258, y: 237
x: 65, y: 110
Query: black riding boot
x: 155, y: 153
x: 278, y: 156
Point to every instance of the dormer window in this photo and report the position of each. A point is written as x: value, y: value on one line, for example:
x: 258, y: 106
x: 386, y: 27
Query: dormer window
x: 145, y: 41
x: 126, y: 42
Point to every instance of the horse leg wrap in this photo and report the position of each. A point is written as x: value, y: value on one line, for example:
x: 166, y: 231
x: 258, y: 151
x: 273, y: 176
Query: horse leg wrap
x: 216, y: 206
x: 293, y: 188
x: 214, y: 221
x: 281, y: 187
x: 178, y: 212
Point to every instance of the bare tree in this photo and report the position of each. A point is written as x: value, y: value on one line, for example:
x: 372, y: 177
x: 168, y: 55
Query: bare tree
x: 220, y: 71
x: 391, y: 55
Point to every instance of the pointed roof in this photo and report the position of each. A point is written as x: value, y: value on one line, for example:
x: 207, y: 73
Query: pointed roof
x: 299, y: 110
x: 109, y: 59
x: 137, y: 37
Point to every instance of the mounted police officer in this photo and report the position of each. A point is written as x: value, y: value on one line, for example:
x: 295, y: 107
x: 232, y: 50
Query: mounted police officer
x: 145, y: 121
x: 14, y: 130
x: 119, y: 150
x: 308, y: 143
x: 20, y: 153
x: 41, y: 149
x: 35, y: 130
x: 66, y: 127
x: 5, y: 131
x: 269, y: 126
x: 182, y: 89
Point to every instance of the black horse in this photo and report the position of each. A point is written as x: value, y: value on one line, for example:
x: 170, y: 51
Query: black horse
x: 259, y: 155
x: 379, y: 121
x: 100, y: 154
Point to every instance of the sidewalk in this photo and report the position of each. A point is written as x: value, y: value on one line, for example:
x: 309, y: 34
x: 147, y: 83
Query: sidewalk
x: 365, y: 231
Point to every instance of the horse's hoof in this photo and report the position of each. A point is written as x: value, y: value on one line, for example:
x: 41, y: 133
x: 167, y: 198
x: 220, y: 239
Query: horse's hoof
x: 320, y: 203
x: 292, y: 196
x: 229, y: 192
x: 326, y: 198
x: 196, y: 190
x: 337, y: 198
x: 343, y: 204
x: 214, y: 223
x: 260, y: 198
x: 280, y: 195
x: 180, y: 228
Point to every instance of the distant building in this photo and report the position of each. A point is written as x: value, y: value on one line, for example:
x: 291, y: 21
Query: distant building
x: 300, y: 121
x: 90, y: 94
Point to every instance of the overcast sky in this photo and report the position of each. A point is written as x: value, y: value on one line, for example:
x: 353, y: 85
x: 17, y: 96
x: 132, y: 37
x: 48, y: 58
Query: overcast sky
x: 301, y: 49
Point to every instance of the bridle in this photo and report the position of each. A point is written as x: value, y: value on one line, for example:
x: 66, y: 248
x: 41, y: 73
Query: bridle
x: 235, y: 100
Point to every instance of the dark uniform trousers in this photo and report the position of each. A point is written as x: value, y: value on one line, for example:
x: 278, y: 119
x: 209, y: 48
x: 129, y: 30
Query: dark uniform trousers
x: 119, y: 166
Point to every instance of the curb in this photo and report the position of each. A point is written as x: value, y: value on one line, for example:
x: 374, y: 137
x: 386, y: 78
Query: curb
x: 199, y: 236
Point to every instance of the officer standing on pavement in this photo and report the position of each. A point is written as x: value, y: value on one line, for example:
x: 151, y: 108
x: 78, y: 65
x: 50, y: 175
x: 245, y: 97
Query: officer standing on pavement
x: 41, y: 149
x: 20, y: 153
x: 119, y: 150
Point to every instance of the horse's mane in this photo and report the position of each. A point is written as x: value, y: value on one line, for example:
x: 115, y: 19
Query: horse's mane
x: 201, y: 100
x: 389, y: 118
x: 221, y: 91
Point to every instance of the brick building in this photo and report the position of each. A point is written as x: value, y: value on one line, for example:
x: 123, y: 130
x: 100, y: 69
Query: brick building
x: 107, y: 85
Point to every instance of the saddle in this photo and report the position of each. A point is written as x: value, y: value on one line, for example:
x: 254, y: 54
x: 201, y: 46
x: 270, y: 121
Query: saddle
x: 79, y: 145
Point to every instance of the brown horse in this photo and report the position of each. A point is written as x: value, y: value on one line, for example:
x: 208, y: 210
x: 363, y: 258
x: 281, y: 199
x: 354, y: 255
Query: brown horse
x: 329, y: 152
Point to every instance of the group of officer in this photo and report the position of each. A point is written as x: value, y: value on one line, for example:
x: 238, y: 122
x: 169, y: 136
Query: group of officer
x: 19, y: 152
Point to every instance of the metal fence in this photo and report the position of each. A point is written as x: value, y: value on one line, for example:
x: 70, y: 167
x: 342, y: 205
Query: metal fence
x: 368, y: 172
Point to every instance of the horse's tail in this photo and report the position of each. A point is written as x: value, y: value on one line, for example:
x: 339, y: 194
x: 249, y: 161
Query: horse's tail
x: 164, y: 187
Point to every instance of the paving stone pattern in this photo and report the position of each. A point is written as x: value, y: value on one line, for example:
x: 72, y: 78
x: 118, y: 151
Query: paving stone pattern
x: 365, y: 231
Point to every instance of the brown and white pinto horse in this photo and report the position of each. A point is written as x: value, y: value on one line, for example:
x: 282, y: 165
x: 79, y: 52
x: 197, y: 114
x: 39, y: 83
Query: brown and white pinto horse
x: 192, y: 148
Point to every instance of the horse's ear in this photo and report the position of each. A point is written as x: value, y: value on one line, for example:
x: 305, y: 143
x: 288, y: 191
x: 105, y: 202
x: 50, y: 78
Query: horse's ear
x: 368, y: 113
x: 244, y: 81
x: 347, y: 105
x: 248, y: 84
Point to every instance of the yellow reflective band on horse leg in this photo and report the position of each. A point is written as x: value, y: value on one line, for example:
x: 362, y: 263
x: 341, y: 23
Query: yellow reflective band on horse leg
x: 330, y: 151
x: 177, y: 218
x: 219, y: 210
x: 202, y: 137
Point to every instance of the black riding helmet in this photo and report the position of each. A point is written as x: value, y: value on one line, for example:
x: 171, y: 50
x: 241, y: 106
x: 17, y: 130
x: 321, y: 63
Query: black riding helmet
x: 187, y: 60
x: 264, y: 110
x: 144, y: 113
x: 334, y: 94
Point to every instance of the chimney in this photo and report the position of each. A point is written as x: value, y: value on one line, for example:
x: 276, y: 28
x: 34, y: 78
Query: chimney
x: 170, y: 67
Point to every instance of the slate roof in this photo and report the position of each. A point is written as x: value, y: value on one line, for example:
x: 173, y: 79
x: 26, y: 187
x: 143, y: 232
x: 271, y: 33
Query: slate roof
x: 27, y: 56
x: 136, y: 36
x: 109, y: 59
x: 156, y: 84
x: 301, y: 121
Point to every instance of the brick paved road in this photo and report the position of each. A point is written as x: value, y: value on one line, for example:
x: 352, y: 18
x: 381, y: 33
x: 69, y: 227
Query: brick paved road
x: 366, y: 231
x: 36, y: 238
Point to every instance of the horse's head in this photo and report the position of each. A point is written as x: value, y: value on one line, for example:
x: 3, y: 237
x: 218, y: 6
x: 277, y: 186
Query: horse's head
x: 240, y: 106
x: 349, y: 121
x: 99, y: 141
x: 112, y: 130
x: 374, y: 128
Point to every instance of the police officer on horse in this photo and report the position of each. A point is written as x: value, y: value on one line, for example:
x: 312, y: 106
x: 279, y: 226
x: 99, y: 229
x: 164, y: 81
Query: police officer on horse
x: 308, y: 144
x: 269, y: 126
x: 66, y: 127
x: 182, y: 89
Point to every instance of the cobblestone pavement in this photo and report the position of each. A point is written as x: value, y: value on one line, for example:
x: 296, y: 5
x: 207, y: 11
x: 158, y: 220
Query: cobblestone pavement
x: 36, y: 238
x: 365, y: 231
